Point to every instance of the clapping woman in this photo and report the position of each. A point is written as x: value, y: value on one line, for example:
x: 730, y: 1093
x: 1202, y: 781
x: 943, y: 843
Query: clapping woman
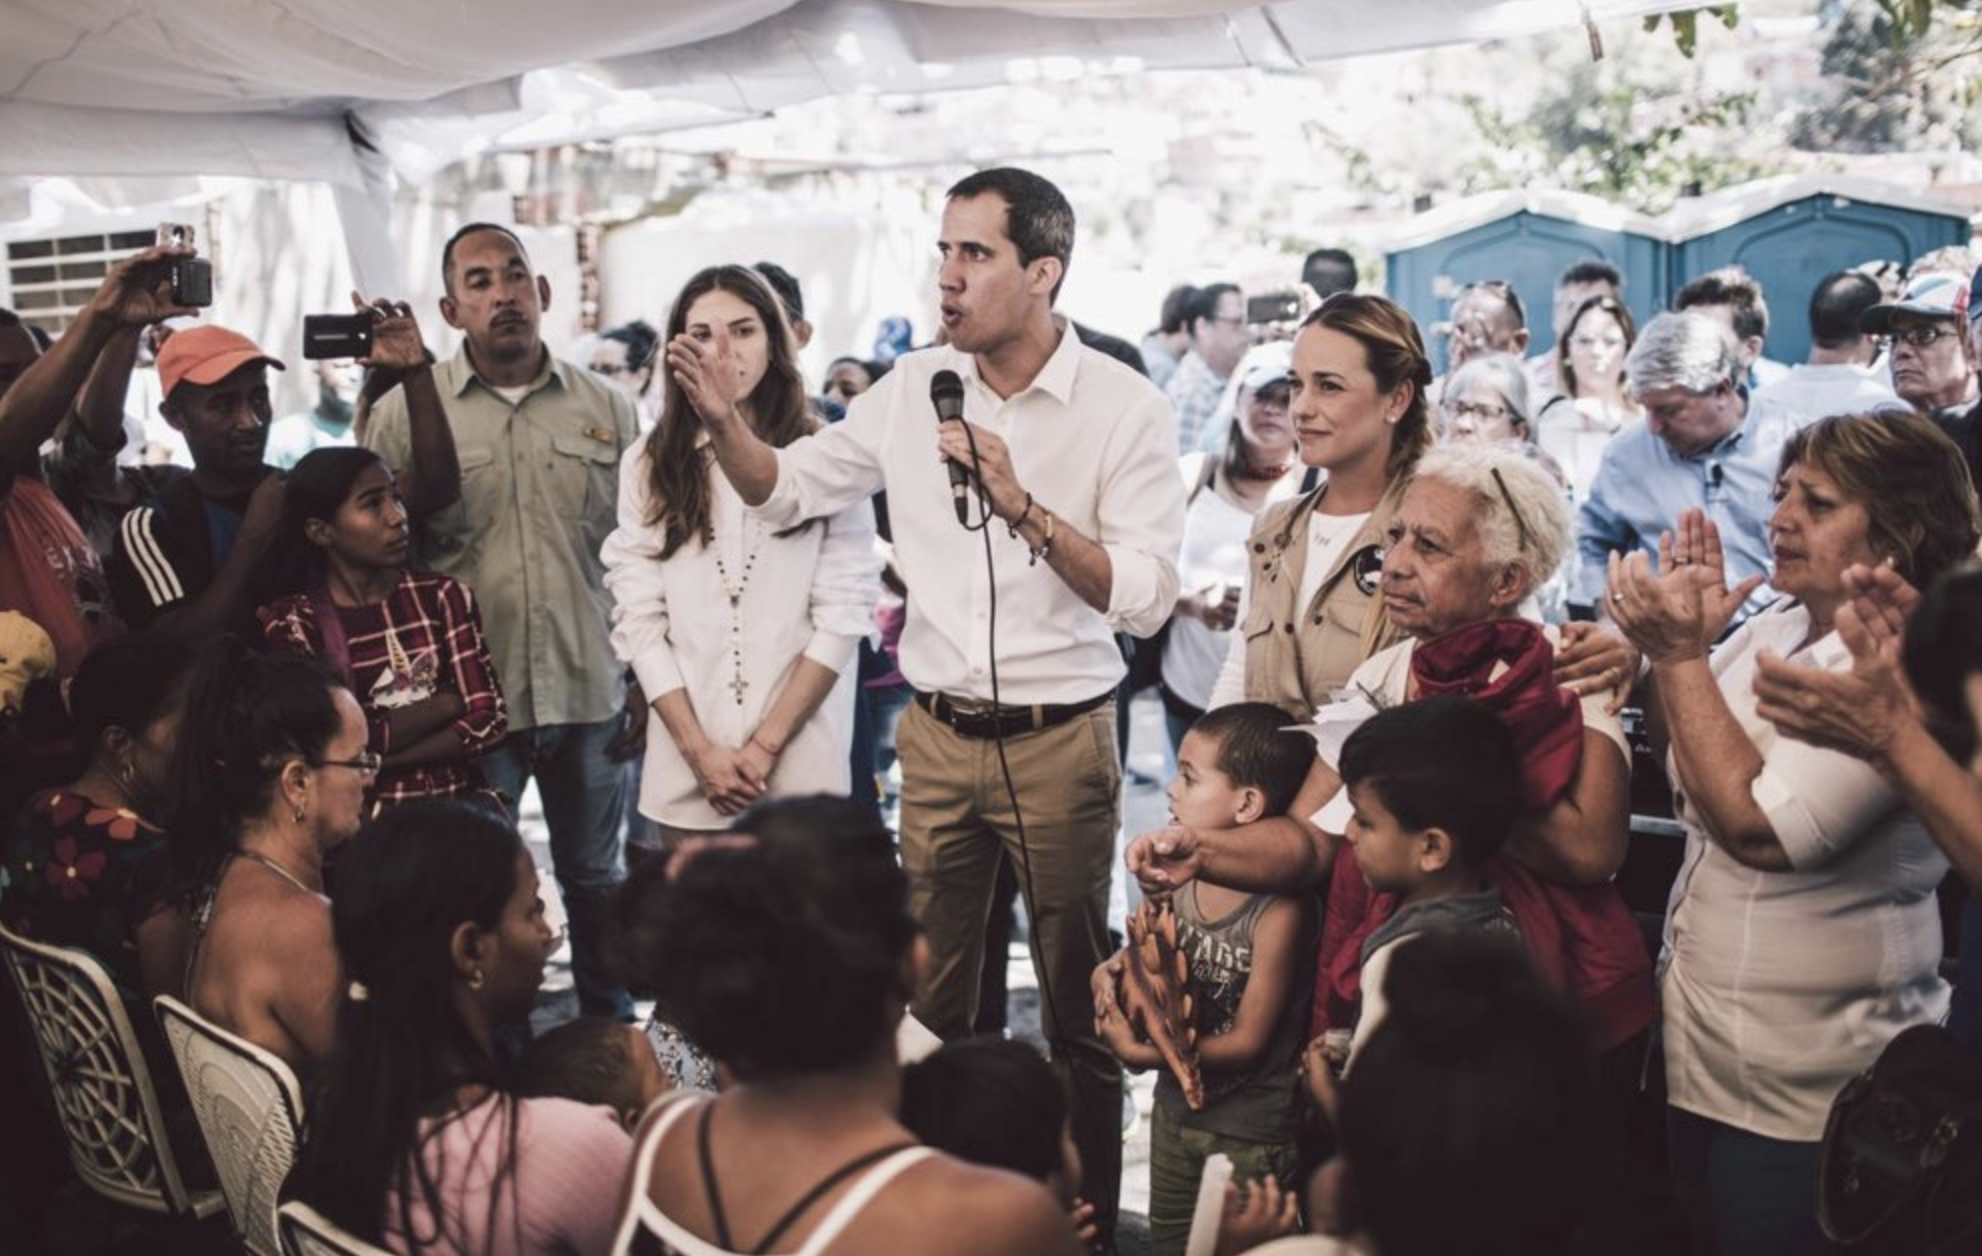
x: 1802, y: 932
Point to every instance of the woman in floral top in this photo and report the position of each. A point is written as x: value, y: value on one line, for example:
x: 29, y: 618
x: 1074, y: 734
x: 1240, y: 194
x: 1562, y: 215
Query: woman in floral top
x: 409, y: 643
x: 84, y: 867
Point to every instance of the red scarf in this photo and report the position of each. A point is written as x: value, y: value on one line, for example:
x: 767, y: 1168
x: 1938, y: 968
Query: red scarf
x: 1545, y: 718
x: 1581, y: 939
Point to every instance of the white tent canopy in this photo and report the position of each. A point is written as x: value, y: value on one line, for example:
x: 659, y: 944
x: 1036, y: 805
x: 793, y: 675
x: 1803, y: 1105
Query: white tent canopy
x: 309, y: 89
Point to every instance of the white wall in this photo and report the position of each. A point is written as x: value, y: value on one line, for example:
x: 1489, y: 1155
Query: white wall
x: 855, y: 267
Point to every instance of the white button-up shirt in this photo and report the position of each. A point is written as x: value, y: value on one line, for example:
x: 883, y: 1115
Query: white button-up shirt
x: 1780, y: 986
x: 809, y: 594
x: 1090, y: 439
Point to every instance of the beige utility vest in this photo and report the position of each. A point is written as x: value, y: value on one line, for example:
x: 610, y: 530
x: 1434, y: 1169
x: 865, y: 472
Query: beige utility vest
x: 1296, y: 656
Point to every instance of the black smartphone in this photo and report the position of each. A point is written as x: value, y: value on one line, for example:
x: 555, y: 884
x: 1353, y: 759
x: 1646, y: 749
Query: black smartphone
x: 337, y: 336
x: 1274, y: 307
x: 192, y: 277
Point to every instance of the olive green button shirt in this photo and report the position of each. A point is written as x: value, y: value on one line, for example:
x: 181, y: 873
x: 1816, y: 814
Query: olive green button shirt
x: 539, y: 495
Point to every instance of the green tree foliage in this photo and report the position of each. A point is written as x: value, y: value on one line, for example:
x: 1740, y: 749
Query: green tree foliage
x: 1896, y: 76
x: 1627, y: 133
x: 1686, y: 24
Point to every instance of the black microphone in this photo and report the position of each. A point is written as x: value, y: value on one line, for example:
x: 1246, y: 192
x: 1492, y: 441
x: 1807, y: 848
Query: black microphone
x: 946, y: 394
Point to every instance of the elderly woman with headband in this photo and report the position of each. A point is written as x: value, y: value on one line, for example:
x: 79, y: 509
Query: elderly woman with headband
x: 1802, y: 932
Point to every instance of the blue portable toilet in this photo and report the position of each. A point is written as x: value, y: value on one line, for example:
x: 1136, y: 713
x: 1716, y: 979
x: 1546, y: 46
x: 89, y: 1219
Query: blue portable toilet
x: 1790, y: 232
x: 1526, y: 238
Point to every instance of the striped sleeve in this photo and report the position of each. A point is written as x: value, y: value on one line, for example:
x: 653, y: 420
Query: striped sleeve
x: 145, y: 578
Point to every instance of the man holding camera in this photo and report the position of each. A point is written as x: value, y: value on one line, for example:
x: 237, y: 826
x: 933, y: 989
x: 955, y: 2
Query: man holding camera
x: 539, y: 442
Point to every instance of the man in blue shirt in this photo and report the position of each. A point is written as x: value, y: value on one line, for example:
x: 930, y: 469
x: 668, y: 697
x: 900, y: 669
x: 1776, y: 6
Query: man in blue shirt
x: 1699, y: 444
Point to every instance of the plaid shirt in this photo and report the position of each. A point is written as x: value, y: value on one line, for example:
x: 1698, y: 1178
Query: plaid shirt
x: 1195, y: 391
x: 424, y: 639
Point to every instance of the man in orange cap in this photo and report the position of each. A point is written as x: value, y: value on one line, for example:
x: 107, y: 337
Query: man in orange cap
x: 184, y: 561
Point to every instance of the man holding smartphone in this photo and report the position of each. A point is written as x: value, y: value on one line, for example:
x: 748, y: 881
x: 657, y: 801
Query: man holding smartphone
x: 539, y: 442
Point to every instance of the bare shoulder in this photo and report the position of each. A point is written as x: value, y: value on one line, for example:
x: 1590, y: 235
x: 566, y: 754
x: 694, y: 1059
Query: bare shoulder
x: 969, y: 1210
x: 263, y: 926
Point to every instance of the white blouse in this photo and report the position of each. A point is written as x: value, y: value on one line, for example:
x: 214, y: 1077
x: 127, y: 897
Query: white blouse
x: 1780, y: 986
x: 808, y: 594
x: 1214, y: 553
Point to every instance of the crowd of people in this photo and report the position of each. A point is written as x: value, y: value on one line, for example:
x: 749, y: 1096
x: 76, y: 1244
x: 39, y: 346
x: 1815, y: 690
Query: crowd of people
x: 269, y: 717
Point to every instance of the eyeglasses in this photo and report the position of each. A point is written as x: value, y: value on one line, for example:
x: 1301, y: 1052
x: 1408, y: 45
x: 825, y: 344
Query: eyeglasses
x: 1520, y: 524
x: 1469, y: 410
x: 369, y: 762
x: 1921, y: 337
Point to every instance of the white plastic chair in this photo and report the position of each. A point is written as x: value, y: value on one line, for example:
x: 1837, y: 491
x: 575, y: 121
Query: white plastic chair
x: 250, y: 1110
x: 307, y: 1232
x: 103, y: 1089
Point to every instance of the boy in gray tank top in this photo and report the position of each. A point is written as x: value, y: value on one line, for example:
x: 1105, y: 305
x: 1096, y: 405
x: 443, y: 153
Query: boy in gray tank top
x: 1251, y: 957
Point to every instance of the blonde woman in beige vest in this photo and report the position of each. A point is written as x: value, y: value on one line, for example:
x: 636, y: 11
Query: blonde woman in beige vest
x: 1311, y: 611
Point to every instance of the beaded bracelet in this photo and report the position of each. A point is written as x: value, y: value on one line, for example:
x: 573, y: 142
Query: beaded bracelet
x: 1012, y: 528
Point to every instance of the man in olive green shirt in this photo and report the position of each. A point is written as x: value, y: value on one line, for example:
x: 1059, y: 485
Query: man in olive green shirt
x: 539, y: 442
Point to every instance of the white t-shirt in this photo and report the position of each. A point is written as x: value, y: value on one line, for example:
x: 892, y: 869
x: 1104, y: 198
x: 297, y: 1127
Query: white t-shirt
x: 1328, y: 536
x: 1214, y: 554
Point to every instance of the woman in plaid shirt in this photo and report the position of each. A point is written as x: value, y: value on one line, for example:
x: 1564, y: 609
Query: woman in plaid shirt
x: 408, y: 642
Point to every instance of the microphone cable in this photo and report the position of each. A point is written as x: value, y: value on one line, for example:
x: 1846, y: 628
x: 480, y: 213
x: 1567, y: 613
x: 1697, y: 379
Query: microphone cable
x: 1056, y: 1037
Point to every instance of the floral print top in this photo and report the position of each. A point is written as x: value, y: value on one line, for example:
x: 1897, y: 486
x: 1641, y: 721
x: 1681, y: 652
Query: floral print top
x: 83, y: 875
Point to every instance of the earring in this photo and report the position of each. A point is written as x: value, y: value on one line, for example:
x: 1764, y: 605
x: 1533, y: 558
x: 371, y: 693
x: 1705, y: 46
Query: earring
x: 127, y: 774
x: 297, y: 815
x: 475, y: 979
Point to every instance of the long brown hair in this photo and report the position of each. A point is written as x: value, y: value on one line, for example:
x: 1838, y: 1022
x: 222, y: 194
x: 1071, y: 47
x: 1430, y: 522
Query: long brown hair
x: 677, y: 471
x: 1599, y: 304
x: 1395, y: 352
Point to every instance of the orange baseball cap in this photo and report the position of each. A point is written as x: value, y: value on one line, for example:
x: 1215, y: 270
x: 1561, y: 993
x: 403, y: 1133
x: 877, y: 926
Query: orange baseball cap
x: 206, y: 355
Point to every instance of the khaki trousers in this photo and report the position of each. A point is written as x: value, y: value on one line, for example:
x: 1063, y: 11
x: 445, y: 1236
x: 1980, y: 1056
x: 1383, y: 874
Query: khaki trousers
x: 956, y: 817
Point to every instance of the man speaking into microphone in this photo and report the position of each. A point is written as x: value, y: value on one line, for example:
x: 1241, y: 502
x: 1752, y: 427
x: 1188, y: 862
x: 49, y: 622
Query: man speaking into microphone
x: 1076, y: 455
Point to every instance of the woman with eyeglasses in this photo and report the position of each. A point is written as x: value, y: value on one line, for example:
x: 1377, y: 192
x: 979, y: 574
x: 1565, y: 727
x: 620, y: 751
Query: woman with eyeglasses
x: 1590, y: 364
x: 1803, y: 932
x: 1487, y: 400
x: 269, y: 775
x: 1224, y: 496
x: 408, y: 642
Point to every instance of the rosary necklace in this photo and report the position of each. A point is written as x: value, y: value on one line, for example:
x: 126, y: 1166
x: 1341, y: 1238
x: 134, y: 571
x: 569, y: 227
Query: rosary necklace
x: 733, y: 590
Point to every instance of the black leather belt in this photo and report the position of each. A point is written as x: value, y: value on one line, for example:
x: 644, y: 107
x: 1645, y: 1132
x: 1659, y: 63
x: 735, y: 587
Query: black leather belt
x: 982, y: 721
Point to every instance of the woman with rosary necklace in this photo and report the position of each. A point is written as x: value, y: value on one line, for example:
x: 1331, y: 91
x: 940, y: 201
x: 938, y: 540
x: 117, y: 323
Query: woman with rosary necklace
x: 741, y: 638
